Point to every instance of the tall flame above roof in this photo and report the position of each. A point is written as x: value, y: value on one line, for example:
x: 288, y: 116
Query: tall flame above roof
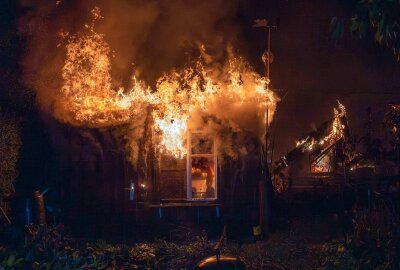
x: 232, y: 92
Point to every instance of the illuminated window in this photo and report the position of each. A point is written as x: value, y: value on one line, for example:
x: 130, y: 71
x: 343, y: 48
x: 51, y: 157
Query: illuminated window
x: 323, y: 163
x: 201, y: 167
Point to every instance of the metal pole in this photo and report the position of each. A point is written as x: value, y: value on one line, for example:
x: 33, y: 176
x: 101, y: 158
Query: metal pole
x: 267, y: 110
x: 263, y: 185
x: 269, y: 52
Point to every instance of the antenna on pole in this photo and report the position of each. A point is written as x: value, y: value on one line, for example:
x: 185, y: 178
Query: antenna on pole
x: 264, y: 185
x: 267, y: 56
x: 267, y: 59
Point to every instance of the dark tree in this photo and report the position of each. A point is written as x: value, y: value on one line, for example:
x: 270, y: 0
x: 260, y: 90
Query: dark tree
x: 372, y: 19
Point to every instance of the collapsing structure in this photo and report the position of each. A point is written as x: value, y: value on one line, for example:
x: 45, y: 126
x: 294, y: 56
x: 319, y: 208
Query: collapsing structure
x: 329, y: 153
x: 319, y: 155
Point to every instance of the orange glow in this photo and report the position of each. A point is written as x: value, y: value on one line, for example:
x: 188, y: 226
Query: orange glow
x: 336, y: 133
x: 87, y: 94
x: 89, y: 98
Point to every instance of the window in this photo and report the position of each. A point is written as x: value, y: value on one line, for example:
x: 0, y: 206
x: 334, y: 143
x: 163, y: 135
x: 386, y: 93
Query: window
x: 201, y: 167
x: 323, y: 162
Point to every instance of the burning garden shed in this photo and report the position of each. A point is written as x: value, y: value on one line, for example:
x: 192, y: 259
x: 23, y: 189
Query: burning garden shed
x: 191, y: 136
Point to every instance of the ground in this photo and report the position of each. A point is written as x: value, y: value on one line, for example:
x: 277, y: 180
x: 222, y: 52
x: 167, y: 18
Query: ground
x: 363, y: 235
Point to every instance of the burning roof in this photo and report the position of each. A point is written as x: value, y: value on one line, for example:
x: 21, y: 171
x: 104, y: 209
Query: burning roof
x: 328, y: 133
x: 319, y: 142
x: 202, y: 95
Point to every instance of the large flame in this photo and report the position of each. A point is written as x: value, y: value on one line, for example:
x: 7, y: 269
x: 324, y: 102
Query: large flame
x: 178, y: 95
x: 232, y: 92
x: 235, y: 90
x: 87, y: 94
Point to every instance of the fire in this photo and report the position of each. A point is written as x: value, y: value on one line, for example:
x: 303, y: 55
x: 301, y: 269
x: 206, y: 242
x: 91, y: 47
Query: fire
x: 336, y: 133
x: 173, y: 132
x: 178, y: 95
x: 87, y: 94
x: 181, y: 94
x: 228, y: 92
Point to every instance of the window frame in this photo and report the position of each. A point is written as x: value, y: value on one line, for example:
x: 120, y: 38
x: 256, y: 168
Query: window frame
x: 189, y: 158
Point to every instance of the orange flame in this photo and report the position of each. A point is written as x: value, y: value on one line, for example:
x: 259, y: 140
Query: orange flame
x: 336, y: 133
x: 228, y: 92
x: 87, y: 94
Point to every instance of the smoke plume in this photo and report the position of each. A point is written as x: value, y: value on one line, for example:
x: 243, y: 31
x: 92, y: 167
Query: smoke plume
x: 154, y: 35
x: 108, y: 63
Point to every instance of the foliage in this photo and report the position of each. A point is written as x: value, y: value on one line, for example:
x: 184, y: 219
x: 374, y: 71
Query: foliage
x: 374, y: 243
x: 392, y: 122
x: 11, y: 262
x: 335, y: 255
x: 174, y: 256
x: 276, y: 253
x: 50, y: 248
x: 376, y: 18
x: 10, y: 143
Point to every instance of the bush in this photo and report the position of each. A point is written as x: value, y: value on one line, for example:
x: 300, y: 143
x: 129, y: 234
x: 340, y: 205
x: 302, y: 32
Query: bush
x: 375, y: 241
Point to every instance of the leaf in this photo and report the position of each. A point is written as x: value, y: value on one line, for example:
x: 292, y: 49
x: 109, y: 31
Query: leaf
x: 381, y: 23
x: 336, y: 28
x: 10, y: 260
x: 354, y: 26
x: 332, y: 24
x: 19, y: 261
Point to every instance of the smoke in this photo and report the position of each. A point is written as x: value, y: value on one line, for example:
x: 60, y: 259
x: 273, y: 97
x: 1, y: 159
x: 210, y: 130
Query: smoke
x: 221, y: 98
x: 237, y: 113
x: 154, y: 35
x: 146, y: 40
